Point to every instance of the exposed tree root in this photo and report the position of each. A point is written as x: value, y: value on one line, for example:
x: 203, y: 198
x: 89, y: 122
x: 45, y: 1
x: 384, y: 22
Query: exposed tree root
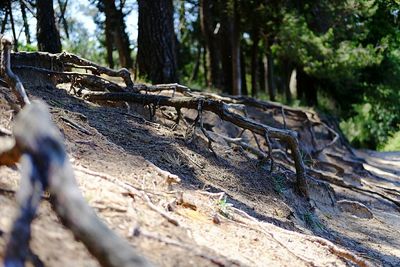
x: 222, y: 110
x: 5, y: 70
x: 65, y: 61
x: 93, y: 87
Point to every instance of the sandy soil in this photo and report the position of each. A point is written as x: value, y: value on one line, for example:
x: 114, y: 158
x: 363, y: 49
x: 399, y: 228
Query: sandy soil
x: 230, y: 210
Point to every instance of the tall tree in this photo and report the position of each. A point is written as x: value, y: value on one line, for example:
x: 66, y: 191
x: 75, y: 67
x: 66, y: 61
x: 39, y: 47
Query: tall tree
x: 115, y: 33
x: 26, y: 24
x: 156, y: 41
x: 210, y: 30
x: 233, y: 14
x: 48, y: 36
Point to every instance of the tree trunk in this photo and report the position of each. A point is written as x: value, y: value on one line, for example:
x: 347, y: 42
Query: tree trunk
x: 196, y: 68
x: 26, y: 25
x: 115, y: 21
x: 236, y: 73
x: 269, y: 76
x: 205, y: 66
x: 261, y: 77
x: 254, y: 60
x: 48, y: 37
x: 210, y: 31
x: 109, y: 41
x: 4, y: 23
x: 287, y: 69
x: 156, y: 41
x: 63, y: 8
x: 12, y: 25
x: 243, y: 73
x: 307, y: 86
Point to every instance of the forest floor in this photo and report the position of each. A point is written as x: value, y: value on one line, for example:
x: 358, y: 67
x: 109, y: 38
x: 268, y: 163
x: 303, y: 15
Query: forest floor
x: 188, y: 207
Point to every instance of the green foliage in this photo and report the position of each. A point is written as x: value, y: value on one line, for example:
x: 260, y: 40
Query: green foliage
x: 27, y: 47
x: 393, y: 143
x: 83, y: 44
x: 375, y: 120
x: 322, y: 55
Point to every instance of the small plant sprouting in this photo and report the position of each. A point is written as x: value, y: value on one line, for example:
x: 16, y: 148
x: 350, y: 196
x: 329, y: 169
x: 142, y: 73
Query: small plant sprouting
x: 223, y: 207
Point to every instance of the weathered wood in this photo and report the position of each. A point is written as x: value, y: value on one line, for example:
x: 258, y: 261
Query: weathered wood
x: 10, y: 77
x: 222, y: 110
x: 66, y: 61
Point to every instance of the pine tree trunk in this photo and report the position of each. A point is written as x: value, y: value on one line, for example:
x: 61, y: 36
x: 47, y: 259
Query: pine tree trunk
x: 208, y: 26
x: 63, y: 7
x: 26, y: 25
x: 307, y: 86
x: 261, y: 77
x: 156, y: 41
x: 109, y: 44
x: 254, y: 60
x: 12, y: 25
x: 4, y: 23
x: 48, y: 36
x: 243, y: 73
x: 196, y: 68
x: 269, y: 76
x: 115, y: 21
x: 236, y: 73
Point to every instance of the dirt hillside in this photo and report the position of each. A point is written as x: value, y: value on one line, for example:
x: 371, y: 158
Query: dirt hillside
x: 181, y: 205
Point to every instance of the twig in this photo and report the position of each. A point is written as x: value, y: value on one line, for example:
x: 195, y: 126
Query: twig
x: 75, y: 125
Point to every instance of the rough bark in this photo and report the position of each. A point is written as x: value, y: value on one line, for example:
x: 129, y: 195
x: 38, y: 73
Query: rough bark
x: 254, y: 59
x: 243, y: 73
x: 156, y: 57
x: 307, y: 87
x: 236, y: 72
x: 48, y: 36
x: 25, y: 20
x: 4, y: 23
x: 210, y: 32
x: 12, y: 25
x: 109, y: 44
x: 115, y: 28
x: 226, y: 48
x: 63, y: 8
